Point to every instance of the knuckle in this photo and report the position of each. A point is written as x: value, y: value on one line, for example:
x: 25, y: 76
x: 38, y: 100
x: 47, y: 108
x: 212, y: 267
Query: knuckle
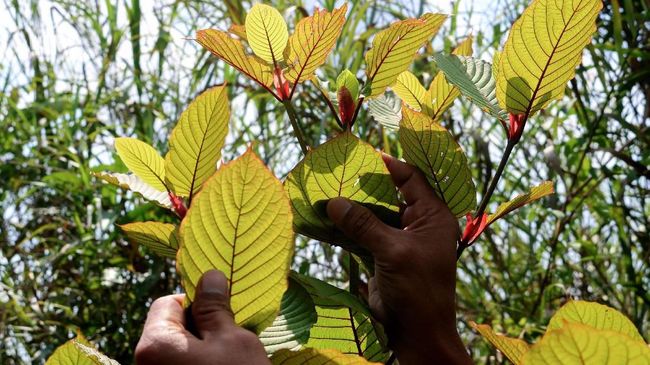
x: 205, y: 309
x: 362, y: 222
x: 146, y: 352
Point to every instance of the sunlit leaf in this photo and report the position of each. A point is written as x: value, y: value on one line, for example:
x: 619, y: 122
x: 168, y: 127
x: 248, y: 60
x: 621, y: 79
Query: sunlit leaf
x: 240, y: 224
x: 344, y: 166
x: 231, y: 51
x: 196, y: 141
x: 409, y: 89
x: 316, y: 357
x: 312, y: 41
x: 475, y: 81
x: 239, y: 30
x: 266, y: 33
x: 160, y: 237
x: 429, y: 146
x: 440, y: 91
x: 290, y: 329
x: 143, y: 160
x: 393, y: 49
x: 595, y: 315
x: 346, y: 79
x: 386, y: 109
x: 542, y: 51
x: 136, y: 185
x: 578, y: 344
x: 513, y: 348
x: 78, y: 351
x: 94, y: 354
x: 535, y: 193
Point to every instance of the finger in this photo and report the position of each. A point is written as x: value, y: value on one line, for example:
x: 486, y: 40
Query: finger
x: 166, y: 311
x: 211, y: 311
x: 359, y: 224
x: 410, y: 181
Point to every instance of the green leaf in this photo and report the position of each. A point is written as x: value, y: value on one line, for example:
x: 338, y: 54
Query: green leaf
x: 312, y: 41
x: 344, y: 322
x: 578, y: 344
x: 535, y: 193
x: 240, y: 224
x: 196, y: 141
x: 346, y: 79
x: 316, y: 357
x: 429, y: 146
x: 344, y: 166
x: 475, y: 81
x: 143, y: 160
x: 394, y: 48
x: 136, y: 185
x: 513, y: 348
x: 595, y: 315
x: 94, y: 354
x: 290, y: 329
x: 267, y: 33
x: 78, y: 351
x: 161, y: 238
x: 409, y: 89
x: 542, y: 51
x: 386, y: 109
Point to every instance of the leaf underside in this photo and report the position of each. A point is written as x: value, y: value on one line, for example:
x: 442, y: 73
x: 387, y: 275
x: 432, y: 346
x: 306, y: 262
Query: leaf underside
x: 386, y: 109
x: 136, y: 185
x: 159, y: 237
x: 316, y: 357
x: 513, y: 348
x: 143, y: 160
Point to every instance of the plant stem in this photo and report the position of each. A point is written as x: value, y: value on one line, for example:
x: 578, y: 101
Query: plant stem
x: 353, y: 273
x: 497, y: 176
x: 329, y: 104
x: 293, y: 118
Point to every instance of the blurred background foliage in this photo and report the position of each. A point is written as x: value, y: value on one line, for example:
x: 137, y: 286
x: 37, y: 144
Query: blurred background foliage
x: 75, y: 74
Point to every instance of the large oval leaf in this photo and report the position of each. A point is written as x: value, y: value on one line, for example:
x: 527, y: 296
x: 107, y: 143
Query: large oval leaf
x: 429, y: 146
x: 513, y: 348
x: 240, y: 224
x: 409, y: 89
x: 316, y: 357
x: 542, y: 51
x: 196, y: 141
x: 266, y: 32
x: 161, y: 238
x: 344, y: 166
x: 143, y: 160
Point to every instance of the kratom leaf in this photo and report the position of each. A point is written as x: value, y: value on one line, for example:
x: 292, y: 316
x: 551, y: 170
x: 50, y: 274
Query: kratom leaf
x: 240, y: 223
x: 161, y: 238
x: 344, y: 322
x: 143, y: 160
x: 535, y: 193
x: 578, y: 344
x: 78, y: 351
x: 542, y: 51
x: 409, y: 89
x: 290, y: 329
x: 312, y: 41
x: 196, y: 141
x: 136, y: 185
x: 94, y: 354
x: 393, y: 49
x: 344, y: 166
x: 475, y: 81
x: 429, y: 146
x: 316, y: 357
x: 595, y: 315
x: 346, y: 79
x: 513, y: 348
x: 386, y: 109
x: 441, y: 92
x: 239, y: 30
x: 267, y: 33
x: 231, y: 51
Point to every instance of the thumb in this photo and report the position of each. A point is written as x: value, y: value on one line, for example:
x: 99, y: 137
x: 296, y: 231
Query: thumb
x: 359, y: 224
x: 211, y: 311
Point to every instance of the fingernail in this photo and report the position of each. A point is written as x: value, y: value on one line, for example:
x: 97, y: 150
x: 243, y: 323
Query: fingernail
x: 214, y: 282
x: 338, y: 207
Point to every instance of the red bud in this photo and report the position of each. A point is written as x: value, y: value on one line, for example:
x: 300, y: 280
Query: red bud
x: 281, y: 84
x: 346, y: 106
x: 473, y: 228
x: 178, y: 205
x: 516, y: 129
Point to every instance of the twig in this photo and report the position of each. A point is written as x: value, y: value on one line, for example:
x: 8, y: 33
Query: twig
x: 293, y: 118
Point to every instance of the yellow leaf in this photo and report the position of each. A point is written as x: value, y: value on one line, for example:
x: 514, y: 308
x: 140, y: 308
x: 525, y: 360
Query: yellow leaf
x: 542, y: 51
x: 344, y: 166
x: 312, y: 41
x: 196, y: 141
x: 595, y: 315
x: 143, y: 160
x: 409, y: 89
x: 231, y: 51
x: 240, y: 224
x: 78, y: 351
x: 267, y: 33
x: 443, y: 93
x: 136, y: 185
x: 393, y: 49
x: 309, y: 356
x: 429, y: 146
x: 513, y: 348
x: 159, y: 237
x: 578, y: 344
x: 535, y: 193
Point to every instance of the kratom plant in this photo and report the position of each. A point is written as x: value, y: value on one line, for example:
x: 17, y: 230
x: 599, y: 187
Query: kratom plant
x: 240, y: 219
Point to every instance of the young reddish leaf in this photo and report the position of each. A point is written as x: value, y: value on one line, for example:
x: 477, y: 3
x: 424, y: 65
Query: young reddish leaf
x: 312, y: 41
x: 473, y: 228
x: 347, y: 87
x: 281, y: 84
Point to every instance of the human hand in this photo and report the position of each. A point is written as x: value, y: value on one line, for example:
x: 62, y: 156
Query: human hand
x: 413, y: 290
x: 218, y: 340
